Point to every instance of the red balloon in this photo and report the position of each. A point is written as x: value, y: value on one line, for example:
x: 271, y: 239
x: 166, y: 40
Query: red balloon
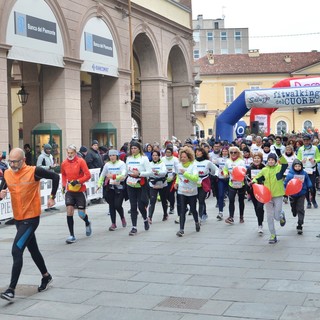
x: 294, y: 186
x: 262, y: 193
x: 238, y: 173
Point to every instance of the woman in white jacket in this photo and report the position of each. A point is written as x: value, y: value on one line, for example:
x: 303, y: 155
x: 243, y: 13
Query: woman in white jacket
x: 187, y: 187
x: 157, y: 184
x: 113, y: 175
x: 205, y: 168
x: 171, y: 163
x: 138, y: 170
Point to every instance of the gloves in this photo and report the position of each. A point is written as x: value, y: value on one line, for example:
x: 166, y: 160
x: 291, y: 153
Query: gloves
x: 278, y: 152
x: 74, y: 182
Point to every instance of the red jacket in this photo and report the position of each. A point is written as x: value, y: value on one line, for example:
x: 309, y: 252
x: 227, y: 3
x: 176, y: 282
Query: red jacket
x: 75, y: 169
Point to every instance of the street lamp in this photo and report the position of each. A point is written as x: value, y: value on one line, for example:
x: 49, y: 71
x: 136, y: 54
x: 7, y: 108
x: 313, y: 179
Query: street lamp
x: 23, y: 95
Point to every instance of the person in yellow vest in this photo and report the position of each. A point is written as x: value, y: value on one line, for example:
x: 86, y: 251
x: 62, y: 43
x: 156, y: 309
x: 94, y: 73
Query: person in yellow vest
x: 23, y: 183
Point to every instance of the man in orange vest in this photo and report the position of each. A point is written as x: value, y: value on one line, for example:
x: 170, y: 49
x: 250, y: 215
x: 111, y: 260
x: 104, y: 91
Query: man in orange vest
x: 23, y: 182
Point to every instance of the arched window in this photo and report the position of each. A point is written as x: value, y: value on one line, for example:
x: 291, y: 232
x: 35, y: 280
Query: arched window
x: 282, y: 127
x: 307, y: 125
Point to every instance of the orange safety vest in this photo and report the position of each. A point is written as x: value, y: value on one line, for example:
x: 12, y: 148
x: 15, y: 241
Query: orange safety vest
x: 24, y: 192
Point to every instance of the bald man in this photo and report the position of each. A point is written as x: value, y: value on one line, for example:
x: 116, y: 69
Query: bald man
x: 23, y: 183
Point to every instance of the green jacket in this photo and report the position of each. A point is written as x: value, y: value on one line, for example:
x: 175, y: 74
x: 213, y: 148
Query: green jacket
x: 271, y: 177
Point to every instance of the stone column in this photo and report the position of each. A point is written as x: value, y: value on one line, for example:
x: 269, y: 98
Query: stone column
x: 31, y: 112
x: 115, y: 105
x: 181, y: 124
x: 4, y: 101
x: 86, y: 114
x: 154, y: 110
x: 62, y: 100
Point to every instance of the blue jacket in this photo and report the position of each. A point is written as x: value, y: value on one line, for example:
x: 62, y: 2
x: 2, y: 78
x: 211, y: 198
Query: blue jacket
x: 306, y: 183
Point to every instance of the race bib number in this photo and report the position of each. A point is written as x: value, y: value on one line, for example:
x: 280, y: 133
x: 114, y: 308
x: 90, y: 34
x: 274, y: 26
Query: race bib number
x: 236, y: 184
x: 254, y: 172
x: 308, y: 170
x: 301, y: 177
x: 131, y: 181
x: 185, y: 190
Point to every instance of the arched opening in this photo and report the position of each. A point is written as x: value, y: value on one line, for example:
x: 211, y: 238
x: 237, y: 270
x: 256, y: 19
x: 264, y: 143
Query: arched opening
x: 146, y: 73
x: 282, y: 127
x: 181, y: 114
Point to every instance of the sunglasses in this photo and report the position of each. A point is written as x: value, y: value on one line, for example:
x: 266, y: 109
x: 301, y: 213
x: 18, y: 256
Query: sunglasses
x: 233, y: 152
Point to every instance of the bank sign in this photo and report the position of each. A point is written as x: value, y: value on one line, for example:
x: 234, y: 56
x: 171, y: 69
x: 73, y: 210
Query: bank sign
x: 35, y: 28
x: 99, y: 45
x: 283, y: 97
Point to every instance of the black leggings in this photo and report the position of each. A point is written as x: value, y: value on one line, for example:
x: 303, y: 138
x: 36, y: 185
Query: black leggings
x: 202, y: 201
x: 153, y: 200
x: 25, y: 237
x: 312, y: 191
x: 182, y: 208
x: 114, y: 198
x: 232, y: 197
x: 138, y: 198
x: 258, y: 208
x: 170, y: 195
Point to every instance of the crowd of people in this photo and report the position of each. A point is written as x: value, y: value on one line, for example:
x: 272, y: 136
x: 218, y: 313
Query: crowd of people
x: 179, y: 175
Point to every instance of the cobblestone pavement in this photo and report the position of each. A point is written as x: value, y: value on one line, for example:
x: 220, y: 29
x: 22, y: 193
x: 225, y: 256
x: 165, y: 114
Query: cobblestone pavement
x: 223, y: 272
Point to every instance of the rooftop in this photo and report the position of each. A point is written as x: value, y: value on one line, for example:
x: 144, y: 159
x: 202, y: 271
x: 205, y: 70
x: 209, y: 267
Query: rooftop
x: 256, y: 63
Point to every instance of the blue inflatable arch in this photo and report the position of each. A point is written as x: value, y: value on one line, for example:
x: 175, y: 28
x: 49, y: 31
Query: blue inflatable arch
x: 294, y: 97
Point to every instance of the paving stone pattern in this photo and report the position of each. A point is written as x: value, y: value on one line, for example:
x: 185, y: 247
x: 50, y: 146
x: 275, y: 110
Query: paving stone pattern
x: 224, y: 272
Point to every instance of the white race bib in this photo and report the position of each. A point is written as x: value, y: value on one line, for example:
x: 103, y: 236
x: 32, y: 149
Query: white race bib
x: 308, y: 170
x: 301, y: 177
x: 131, y: 181
x: 254, y: 172
x: 236, y: 184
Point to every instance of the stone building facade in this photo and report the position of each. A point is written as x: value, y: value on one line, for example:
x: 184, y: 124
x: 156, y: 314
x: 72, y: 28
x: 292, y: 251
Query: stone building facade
x: 92, y: 67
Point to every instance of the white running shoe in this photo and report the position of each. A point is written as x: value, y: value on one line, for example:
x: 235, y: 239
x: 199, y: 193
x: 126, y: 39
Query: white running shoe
x: 71, y: 239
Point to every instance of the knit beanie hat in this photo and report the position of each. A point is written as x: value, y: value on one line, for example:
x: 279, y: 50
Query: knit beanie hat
x: 113, y: 152
x: 94, y: 142
x: 83, y: 149
x: 297, y: 161
x: 135, y: 144
x: 272, y: 156
x: 47, y: 146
